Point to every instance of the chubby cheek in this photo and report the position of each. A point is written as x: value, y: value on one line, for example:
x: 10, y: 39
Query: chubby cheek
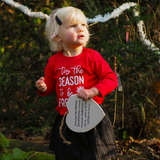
x: 87, y: 35
x: 70, y: 37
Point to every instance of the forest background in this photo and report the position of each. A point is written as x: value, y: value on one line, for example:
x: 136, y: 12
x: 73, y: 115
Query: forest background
x: 24, y: 52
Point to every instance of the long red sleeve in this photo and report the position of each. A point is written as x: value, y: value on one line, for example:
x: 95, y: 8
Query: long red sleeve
x: 70, y: 74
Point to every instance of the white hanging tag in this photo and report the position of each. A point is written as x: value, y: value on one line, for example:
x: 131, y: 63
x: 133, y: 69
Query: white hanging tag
x: 83, y: 115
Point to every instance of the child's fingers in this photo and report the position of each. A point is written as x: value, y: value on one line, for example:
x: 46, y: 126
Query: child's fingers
x: 40, y: 84
x: 42, y: 87
x: 83, y: 94
x: 42, y: 79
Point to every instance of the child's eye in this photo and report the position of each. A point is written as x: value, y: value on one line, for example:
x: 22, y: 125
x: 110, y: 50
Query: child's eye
x: 84, y: 25
x: 73, y: 25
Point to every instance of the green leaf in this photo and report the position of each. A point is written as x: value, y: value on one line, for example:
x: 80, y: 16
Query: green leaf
x: 143, y: 114
x: 18, y: 154
x: 7, y: 156
x: 4, y: 142
x: 149, y: 100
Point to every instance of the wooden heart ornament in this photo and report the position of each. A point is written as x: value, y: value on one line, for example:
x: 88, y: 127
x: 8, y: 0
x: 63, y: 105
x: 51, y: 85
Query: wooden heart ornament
x: 83, y: 115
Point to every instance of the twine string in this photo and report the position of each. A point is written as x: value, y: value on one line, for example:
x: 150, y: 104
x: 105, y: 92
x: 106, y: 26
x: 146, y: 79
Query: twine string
x: 60, y: 130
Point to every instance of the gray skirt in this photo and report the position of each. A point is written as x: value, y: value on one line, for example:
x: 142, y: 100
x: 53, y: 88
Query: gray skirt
x: 96, y: 144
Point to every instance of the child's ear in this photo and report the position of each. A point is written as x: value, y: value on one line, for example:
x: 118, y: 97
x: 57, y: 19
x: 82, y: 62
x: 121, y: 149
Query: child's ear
x: 57, y: 38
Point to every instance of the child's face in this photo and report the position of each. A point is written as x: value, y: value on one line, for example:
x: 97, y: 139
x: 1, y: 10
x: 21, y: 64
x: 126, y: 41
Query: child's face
x: 73, y: 34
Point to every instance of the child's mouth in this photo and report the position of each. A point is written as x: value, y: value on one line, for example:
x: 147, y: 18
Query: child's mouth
x: 81, y: 36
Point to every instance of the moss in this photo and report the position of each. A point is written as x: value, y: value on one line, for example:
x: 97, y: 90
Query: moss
x: 39, y: 156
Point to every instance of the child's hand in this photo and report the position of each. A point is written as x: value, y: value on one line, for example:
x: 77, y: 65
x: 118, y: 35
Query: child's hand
x: 86, y: 94
x: 40, y: 84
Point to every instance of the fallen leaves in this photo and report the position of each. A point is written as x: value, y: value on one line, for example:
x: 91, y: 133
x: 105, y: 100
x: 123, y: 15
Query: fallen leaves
x: 144, y: 148
x: 129, y: 148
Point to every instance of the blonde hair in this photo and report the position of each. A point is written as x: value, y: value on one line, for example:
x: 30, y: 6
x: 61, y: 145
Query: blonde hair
x: 52, y: 27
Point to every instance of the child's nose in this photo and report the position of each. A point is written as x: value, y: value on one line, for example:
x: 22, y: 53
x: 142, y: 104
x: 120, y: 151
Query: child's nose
x: 80, y: 29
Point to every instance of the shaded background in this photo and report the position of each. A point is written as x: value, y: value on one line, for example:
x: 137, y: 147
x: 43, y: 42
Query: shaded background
x: 24, y: 52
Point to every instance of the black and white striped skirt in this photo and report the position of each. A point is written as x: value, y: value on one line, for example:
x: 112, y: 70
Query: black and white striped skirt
x: 96, y: 144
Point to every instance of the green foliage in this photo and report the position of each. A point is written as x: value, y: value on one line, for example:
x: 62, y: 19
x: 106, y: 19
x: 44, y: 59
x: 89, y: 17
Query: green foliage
x: 3, y: 141
x: 124, y: 135
x: 16, y: 154
x: 24, y: 52
x: 40, y: 156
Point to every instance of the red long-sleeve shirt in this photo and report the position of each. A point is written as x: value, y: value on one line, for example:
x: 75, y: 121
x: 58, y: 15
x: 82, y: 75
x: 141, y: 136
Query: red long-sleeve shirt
x: 70, y: 74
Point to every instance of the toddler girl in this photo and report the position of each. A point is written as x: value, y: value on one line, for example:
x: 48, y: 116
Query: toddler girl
x: 75, y: 69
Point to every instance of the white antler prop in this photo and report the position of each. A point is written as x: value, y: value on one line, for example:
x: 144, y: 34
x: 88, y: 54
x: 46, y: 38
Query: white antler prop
x: 98, y: 18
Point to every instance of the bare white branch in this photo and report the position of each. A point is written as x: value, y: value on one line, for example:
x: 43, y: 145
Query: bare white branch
x: 99, y: 18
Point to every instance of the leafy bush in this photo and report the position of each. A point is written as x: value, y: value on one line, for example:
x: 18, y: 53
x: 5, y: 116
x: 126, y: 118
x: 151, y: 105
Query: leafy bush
x: 16, y: 154
x: 24, y: 52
